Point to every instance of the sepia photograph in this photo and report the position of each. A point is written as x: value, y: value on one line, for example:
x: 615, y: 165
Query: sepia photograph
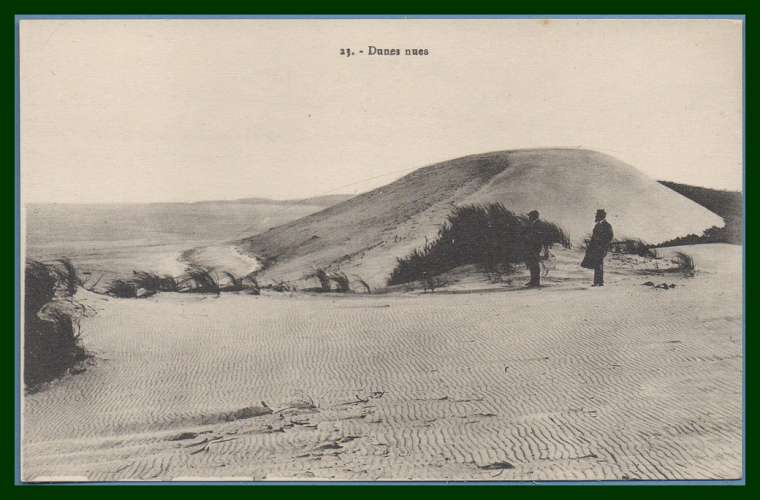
x: 380, y: 249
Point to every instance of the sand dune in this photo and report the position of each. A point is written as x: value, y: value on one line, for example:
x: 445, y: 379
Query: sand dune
x: 566, y: 382
x: 365, y: 235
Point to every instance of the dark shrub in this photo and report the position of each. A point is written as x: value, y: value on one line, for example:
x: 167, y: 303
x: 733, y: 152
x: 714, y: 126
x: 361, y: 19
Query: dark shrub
x: 51, y: 340
x: 490, y: 236
x: 281, y: 286
x: 39, y: 286
x: 432, y: 282
x: 124, y: 289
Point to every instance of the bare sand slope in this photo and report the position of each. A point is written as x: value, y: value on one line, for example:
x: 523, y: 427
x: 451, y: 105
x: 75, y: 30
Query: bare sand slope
x: 224, y: 257
x: 364, y: 235
x: 568, y: 188
x: 562, y: 383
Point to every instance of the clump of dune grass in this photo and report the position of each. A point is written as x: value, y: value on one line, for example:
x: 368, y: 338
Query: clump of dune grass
x: 280, y: 286
x: 251, y: 284
x: 154, y: 282
x: 363, y: 283
x: 633, y: 247
x: 226, y: 282
x: 197, y: 279
x: 67, y: 275
x: 201, y: 280
x: 51, y: 333
x: 142, y: 284
x: 342, y: 283
x: 432, y: 282
x: 233, y: 283
x: 124, y: 289
x: 685, y: 264
x: 324, y: 279
x: 487, y: 235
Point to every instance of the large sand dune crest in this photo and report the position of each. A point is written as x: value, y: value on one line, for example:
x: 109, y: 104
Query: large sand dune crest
x: 366, y: 234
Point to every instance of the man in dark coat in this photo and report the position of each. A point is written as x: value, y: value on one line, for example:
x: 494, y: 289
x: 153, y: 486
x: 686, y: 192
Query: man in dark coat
x: 598, y: 247
x: 534, y: 242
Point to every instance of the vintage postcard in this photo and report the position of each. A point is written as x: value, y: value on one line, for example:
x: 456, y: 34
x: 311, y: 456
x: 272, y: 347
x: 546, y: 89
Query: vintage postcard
x: 381, y: 249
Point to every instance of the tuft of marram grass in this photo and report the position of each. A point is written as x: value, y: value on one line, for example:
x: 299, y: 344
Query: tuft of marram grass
x: 342, y: 283
x: 685, y: 264
x: 281, y: 286
x: 234, y: 283
x: 202, y: 280
x: 253, y: 288
x: 363, y: 283
x: 324, y: 279
x: 67, y: 275
x: 124, y: 289
x: 154, y: 282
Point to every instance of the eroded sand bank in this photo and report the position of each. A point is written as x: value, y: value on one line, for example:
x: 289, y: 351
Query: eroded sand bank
x: 563, y: 383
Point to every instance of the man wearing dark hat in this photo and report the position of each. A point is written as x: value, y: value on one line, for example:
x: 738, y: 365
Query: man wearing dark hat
x: 533, y: 243
x: 598, y: 246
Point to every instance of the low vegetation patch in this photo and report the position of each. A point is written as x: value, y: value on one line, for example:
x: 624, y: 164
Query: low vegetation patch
x: 197, y: 279
x: 124, y: 289
x: 363, y: 283
x: 324, y: 280
x: 685, y: 264
x: 633, y: 247
x: 487, y: 235
x: 279, y: 286
x: 52, y: 344
x: 713, y: 234
x: 152, y: 281
x: 341, y: 281
x: 430, y: 283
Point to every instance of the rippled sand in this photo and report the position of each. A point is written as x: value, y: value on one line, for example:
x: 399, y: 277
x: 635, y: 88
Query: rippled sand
x: 563, y: 383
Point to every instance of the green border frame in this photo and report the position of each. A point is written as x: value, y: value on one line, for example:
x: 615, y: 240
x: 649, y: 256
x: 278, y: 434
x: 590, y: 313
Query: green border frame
x: 395, y: 7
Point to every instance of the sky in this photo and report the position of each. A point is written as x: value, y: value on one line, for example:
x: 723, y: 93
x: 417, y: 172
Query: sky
x: 134, y: 111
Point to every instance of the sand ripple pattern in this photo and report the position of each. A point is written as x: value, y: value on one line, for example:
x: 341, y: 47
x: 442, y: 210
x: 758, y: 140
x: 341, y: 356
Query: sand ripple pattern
x: 624, y: 383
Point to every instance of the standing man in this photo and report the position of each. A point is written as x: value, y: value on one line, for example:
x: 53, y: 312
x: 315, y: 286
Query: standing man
x: 598, y: 246
x: 534, y: 241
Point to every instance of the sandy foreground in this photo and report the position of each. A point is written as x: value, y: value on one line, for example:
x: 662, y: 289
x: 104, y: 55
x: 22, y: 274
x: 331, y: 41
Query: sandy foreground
x: 563, y: 383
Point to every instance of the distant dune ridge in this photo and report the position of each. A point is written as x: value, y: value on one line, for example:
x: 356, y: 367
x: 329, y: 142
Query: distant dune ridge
x: 325, y: 200
x: 365, y: 234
